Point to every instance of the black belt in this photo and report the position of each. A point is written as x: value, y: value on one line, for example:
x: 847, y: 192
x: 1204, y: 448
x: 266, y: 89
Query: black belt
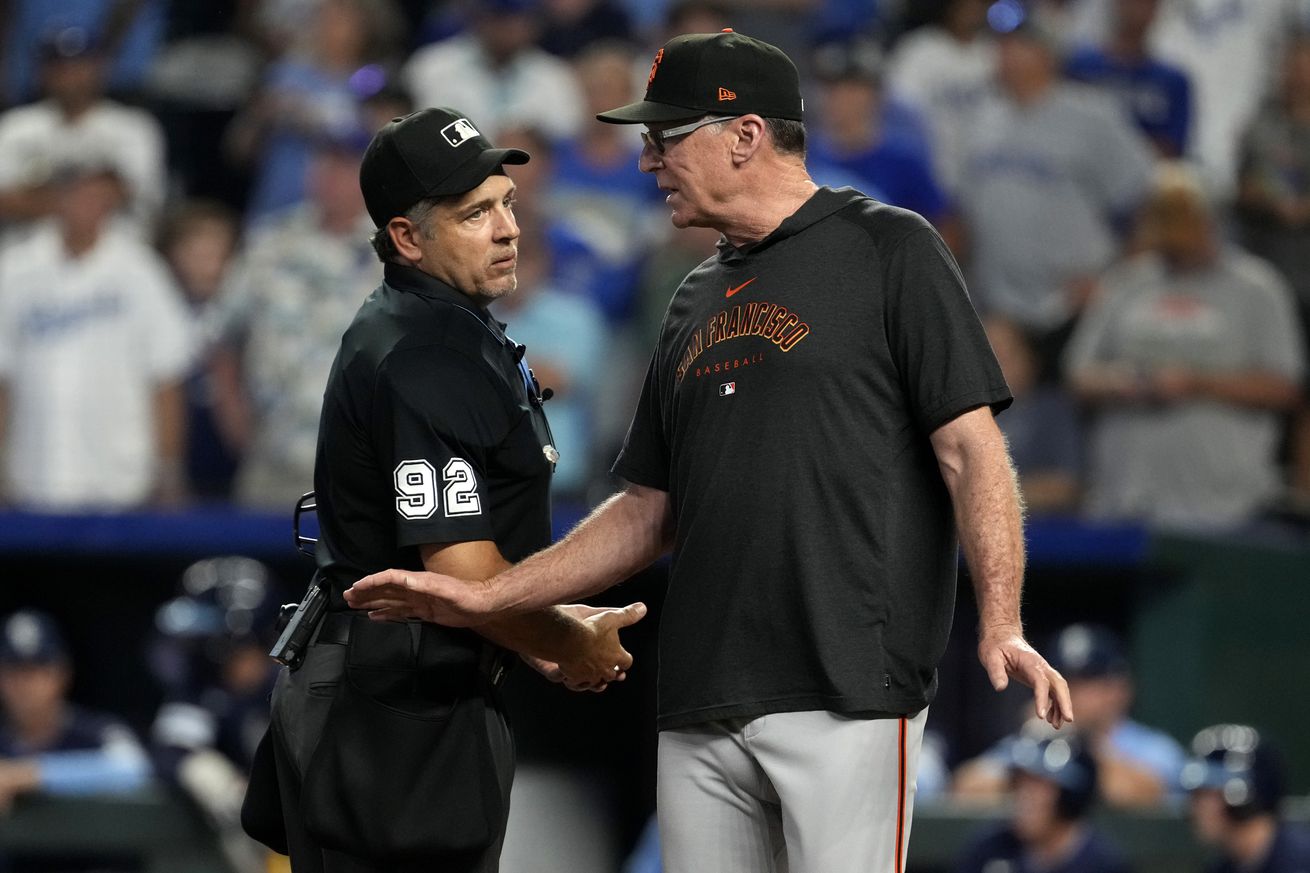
x: 334, y: 630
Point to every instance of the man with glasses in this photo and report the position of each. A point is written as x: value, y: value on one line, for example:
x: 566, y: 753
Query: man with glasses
x: 815, y: 427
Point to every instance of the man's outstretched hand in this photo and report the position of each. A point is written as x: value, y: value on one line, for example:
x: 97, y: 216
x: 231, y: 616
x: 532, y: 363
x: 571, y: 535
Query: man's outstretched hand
x: 1005, y: 653
x: 398, y: 595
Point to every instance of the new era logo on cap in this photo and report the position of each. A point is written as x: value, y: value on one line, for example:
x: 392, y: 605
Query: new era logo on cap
x: 459, y: 132
x: 725, y: 94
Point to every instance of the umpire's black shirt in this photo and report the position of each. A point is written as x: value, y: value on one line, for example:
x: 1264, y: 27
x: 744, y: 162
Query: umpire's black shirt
x: 431, y: 432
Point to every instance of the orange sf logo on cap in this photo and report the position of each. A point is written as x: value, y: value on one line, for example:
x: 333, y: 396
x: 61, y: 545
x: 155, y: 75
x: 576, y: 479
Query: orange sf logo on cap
x: 655, y: 65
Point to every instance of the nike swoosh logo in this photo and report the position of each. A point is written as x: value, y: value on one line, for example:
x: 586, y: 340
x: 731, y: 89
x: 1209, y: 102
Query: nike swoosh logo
x: 732, y: 291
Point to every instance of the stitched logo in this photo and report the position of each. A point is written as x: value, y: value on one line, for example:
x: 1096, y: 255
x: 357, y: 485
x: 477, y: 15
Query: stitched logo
x: 732, y: 291
x: 459, y: 132
x: 725, y: 94
x: 655, y: 65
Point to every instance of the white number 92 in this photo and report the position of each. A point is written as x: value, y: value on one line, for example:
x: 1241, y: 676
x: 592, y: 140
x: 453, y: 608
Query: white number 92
x: 416, y: 489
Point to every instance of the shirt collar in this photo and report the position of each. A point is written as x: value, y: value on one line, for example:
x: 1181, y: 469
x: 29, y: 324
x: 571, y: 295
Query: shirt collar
x: 414, y: 280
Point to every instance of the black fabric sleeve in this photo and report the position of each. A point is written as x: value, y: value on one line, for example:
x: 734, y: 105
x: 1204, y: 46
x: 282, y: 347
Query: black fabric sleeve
x: 937, y: 342
x: 644, y: 458
x: 441, y: 416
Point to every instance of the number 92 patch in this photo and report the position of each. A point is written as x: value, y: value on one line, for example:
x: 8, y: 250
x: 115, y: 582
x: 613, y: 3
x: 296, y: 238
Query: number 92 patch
x: 416, y: 489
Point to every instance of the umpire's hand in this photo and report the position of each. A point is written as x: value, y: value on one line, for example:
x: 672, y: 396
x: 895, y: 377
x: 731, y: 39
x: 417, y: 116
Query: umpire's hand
x: 1004, y: 653
x: 599, y: 658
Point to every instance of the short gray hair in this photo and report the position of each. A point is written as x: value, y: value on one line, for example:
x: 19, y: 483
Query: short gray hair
x: 420, y: 213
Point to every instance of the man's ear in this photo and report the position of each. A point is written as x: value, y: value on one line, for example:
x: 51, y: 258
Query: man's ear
x: 404, y: 236
x: 751, y: 132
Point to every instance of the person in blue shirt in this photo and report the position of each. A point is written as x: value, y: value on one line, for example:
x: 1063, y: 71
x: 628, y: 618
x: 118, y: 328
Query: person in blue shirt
x: 861, y: 134
x: 1158, y: 96
x: 1054, y: 787
x: 1137, y: 765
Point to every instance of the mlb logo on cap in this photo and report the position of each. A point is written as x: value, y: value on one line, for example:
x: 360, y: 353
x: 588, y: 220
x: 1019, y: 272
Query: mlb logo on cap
x: 727, y: 388
x: 459, y: 132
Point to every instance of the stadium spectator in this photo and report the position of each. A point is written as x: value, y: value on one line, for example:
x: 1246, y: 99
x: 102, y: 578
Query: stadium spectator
x: 48, y: 744
x: 573, y: 25
x: 1136, y: 765
x: 73, y: 120
x: 293, y: 291
x: 131, y: 32
x: 209, y: 655
x: 1273, y: 207
x: 565, y: 335
x: 1189, y: 357
x: 944, y: 70
x: 851, y: 135
x: 198, y: 240
x: 609, y: 211
x: 1227, y: 48
x: 1236, y: 781
x: 497, y: 67
x: 1054, y: 786
x: 315, y: 90
x: 1051, y: 171
x: 94, y: 348
x: 1158, y: 96
x: 1041, y: 428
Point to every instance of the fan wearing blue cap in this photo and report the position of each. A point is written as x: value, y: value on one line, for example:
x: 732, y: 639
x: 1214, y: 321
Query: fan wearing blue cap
x: 48, y: 744
x: 1053, y: 780
x: 1236, y: 781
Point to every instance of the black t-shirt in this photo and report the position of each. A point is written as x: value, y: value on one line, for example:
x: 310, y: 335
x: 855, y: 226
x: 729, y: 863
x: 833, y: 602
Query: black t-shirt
x: 431, y: 432
x: 787, y: 411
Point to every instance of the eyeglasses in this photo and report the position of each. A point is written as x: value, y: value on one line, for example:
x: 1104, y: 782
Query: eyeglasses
x: 658, y: 139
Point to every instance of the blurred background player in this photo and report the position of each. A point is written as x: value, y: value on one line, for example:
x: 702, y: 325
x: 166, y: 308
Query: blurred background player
x: 1136, y: 765
x: 1236, y: 782
x: 49, y: 745
x: 1054, y: 786
x: 210, y: 657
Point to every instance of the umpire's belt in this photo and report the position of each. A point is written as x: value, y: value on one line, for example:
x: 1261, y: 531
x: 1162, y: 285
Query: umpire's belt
x: 334, y: 630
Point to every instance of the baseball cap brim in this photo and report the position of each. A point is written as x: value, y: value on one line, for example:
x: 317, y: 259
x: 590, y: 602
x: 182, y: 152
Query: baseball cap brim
x: 647, y: 112
x: 476, y: 170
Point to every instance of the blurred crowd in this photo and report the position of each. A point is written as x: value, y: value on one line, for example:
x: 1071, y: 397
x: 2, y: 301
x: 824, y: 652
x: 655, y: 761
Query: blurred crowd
x: 1126, y: 184
x: 206, y: 655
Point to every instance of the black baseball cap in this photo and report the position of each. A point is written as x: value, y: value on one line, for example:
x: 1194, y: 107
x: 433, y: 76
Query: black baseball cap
x: 430, y: 153
x: 723, y: 73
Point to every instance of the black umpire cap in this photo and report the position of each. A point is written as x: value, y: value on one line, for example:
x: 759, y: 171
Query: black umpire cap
x: 722, y: 73
x: 430, y: 153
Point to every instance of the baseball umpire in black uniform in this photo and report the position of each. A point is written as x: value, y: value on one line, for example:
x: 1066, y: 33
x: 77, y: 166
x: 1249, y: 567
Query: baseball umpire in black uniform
x: 391, y: 749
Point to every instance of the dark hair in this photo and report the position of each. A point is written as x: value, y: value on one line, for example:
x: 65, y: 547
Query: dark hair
x: 788, y: 135
x: 420, y: 213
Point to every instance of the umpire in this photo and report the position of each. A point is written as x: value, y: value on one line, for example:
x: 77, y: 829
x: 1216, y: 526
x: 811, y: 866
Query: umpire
x: 391, y: 749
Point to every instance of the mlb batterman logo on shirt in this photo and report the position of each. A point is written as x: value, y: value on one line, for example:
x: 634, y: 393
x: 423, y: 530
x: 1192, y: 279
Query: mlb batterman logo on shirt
x: 727, y: 388
x: 459, y: 132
